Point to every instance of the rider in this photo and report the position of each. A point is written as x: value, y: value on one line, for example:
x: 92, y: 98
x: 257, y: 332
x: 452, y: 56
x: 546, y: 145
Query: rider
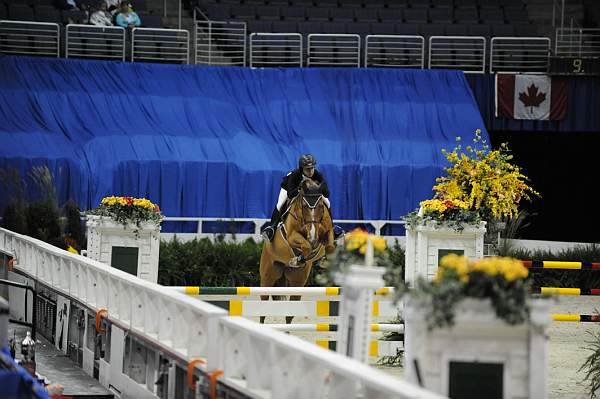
x: 290, y: 186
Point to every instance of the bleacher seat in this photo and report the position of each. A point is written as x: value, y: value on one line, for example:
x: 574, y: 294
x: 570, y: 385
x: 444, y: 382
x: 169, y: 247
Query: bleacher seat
x: 352, y: 3
x: 342, y: 14
x: 268, y: 13
x: 47, y: 14
x: 326, y: 3
x: 374, y: 4
x: 334, y: 28
x: 317, y: 14
x: 218, y: 12
x: 243, y: 12
x: 366, y: 15
x: 20, y: 12
x: 397, y: 3
x: 465, y: 3
x: 293, y: 13
x: 492, y: 15
x: 420, y: 3
x: 383, y: 29
x: 307, y: 27
x: 466, y: 15
x: 456, y: 30
x: 415, y: 16
x: 139, y: 5
x: 3, y: 12
x: 360, y: 28
x: 259, y: 26
x: 480, y: 30
x: 524, y: 30
x: 391, y: 15
x: 408, y: 29
x: 443, y: 3
x: 441, y: 15
x: 302, y: 3
x: 257, y: 3
x: 285, y: 27
x: 503, y: 30
x: 279, y: 3
x: 432, y: 30
x: 516, y: 16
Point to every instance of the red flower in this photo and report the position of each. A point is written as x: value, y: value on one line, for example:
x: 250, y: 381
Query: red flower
x: 449, y: 204
x: 129, y: 200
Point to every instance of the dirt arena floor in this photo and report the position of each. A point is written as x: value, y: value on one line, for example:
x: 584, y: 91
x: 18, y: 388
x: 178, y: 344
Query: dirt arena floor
x: 566, y: 345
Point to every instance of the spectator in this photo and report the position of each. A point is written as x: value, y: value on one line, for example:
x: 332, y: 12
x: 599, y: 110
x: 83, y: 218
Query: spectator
x: 127, y: 18
x: 66, y: 4
x: 102, y: 17
x: 113, y: 5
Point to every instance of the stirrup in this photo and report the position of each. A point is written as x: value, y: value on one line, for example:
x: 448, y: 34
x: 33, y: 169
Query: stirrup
x: 337, y: 232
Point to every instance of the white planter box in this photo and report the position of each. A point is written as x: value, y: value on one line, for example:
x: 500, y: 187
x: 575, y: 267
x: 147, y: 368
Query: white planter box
x: 104, y: 234
x: 478, y: 336
x: 424, y: 243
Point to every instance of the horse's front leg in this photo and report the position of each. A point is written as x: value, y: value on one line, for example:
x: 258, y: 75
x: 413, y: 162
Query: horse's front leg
x: 296, y: 240
x: 329, y: 242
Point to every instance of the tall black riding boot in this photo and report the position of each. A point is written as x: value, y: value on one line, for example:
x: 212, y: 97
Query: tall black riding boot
x: 269, y: 231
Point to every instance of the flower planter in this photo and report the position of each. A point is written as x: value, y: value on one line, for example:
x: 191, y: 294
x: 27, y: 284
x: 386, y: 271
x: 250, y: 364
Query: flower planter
x: 427, y: 243
x: 480, y: 355
x: 130, y: 248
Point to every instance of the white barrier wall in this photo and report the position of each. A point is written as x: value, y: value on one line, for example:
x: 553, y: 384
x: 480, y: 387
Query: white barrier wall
x: 478, y: 337
x: 427, y: 244
x: 106, y: 237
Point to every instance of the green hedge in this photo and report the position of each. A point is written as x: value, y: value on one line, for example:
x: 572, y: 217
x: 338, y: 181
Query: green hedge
x: 221, y: 264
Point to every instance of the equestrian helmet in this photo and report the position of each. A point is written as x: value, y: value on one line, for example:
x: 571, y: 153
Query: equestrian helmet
x: 307, y: 161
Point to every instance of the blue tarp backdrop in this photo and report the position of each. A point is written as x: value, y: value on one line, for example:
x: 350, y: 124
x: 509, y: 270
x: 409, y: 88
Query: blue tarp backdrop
x: 215, y: 142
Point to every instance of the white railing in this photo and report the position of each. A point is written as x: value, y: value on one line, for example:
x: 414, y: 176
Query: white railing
x: 275, y: 49
x: 203, y: 232
x: 577, y: 42
x: 466, y: 53
x: 260, y: 360
x: 520, y: 54
x: 256, y: 360
x: 220, y: 43
x: 333, y: 50
x: 98, y: 42
x: 168, y: 45
x: 29, y: 38
x: 395, y: 51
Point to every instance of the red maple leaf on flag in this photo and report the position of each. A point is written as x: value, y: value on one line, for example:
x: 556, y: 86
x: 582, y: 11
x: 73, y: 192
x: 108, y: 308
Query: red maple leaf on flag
x: 532, y: 98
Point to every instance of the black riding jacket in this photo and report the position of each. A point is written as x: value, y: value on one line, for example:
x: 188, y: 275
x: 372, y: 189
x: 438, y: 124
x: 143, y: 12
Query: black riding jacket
x: 291, y: 182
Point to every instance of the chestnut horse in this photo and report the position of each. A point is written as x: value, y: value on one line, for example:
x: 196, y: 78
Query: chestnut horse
x: 304, y: 238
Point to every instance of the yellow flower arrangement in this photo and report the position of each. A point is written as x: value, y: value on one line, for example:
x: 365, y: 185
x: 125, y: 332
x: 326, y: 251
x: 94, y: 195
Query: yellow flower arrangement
x: 502, y: 280
x: 127, y: 210
x: 353, y: 252
x: 480, y: 184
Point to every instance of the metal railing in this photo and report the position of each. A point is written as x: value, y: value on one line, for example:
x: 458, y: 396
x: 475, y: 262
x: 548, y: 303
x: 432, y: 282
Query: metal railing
x: 98, y: 42
x: 275, y: 49
x: 220, y: 43
x: 577, y: 42
x: 29, y: 38
x: 395, y: 51
x: 160, y: 45
x: 333, y: 50
x: 466, y: 53
x: 519, y: 54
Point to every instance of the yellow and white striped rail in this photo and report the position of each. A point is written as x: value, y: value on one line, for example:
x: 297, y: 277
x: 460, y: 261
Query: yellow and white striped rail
x: 376, y: 348
x: 250, y: 291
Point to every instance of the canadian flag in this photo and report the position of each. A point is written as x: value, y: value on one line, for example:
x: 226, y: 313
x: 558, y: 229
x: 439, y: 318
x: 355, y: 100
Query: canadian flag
x: 531, y: 97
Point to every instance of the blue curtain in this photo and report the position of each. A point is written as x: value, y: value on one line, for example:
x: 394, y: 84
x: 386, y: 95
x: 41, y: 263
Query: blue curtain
x: 216, y: 142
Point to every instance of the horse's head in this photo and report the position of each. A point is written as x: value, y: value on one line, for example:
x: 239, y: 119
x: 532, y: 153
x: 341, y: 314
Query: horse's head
x: 312, y: 210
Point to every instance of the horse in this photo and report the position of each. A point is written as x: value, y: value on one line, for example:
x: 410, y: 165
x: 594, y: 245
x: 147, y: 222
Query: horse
x: 303, y: 238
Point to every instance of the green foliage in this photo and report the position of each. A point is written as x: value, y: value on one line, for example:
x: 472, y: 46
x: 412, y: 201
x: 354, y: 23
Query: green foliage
x: 13, y: 217
x: 43, y: 223
x: 209, y: 264
x: 591, y: 366
x: 73, y: 229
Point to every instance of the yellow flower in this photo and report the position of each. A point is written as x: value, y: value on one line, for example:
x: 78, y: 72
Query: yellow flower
x: 379, y: 244
x: 72, y: 250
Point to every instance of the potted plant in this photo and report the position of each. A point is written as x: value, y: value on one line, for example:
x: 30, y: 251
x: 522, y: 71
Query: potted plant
x: 128, y: 211
x: 480, y: 187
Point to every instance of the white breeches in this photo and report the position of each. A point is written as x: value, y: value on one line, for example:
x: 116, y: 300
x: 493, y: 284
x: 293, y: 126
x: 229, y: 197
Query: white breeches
x: 283, y: 197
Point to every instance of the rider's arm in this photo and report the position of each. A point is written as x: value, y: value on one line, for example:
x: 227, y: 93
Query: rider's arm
x: 283, y: 195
